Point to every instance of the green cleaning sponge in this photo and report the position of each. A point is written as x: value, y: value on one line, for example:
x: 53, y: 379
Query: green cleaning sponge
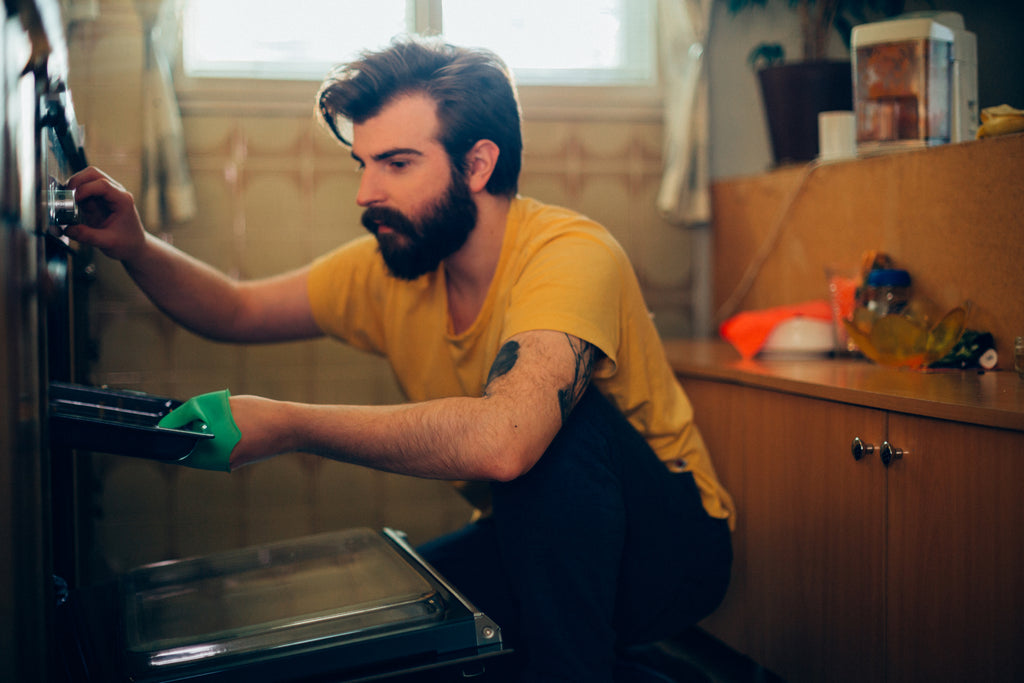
x: 209, y: 413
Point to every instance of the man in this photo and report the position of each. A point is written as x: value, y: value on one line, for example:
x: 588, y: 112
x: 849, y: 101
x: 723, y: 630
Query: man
x: 520, y: 336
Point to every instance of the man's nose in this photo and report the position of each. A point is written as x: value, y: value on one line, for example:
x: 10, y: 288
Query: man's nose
x: 370, y: 191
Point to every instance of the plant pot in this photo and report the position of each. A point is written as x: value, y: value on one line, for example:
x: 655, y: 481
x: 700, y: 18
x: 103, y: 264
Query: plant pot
x: 793, y: 96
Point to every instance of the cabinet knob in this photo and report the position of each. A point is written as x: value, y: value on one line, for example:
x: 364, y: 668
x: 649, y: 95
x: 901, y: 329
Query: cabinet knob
x: 890, y: 453
x: 860, y: 449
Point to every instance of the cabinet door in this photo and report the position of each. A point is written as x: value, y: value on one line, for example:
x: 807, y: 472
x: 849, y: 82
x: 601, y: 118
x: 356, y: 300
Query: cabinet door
x: 956, y: 552
x: 810, y: 530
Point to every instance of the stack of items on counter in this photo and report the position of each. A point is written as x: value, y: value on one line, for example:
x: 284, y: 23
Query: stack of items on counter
x: 876, y: 314
x: 892, y: 325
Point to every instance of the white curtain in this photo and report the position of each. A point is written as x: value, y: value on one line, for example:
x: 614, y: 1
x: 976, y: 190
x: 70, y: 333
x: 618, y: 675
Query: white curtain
x: 168, y: 195
x: 684, y: 196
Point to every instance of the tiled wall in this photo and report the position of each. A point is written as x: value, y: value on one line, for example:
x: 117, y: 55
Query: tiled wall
x: 274, y: 192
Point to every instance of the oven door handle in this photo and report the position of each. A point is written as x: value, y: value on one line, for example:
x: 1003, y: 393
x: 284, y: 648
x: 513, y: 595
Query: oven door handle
x: 59, y: 116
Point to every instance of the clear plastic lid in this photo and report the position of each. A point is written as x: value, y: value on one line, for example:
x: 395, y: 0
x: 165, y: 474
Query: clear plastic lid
x: 272, y: 596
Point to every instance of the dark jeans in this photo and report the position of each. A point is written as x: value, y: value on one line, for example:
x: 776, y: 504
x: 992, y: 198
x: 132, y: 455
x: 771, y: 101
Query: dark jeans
x: 598, y: 547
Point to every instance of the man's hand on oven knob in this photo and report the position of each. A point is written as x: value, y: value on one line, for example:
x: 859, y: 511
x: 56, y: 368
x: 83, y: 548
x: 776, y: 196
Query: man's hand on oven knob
x: 108, y: 219
x: 209, y: 413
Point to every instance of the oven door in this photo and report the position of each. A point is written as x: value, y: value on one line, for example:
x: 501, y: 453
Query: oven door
x: 354, y: 605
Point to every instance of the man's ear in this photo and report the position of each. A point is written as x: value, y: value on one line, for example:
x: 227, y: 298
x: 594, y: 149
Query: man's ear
x: 480, y: 163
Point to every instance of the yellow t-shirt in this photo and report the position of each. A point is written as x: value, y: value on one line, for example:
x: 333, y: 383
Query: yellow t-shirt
x: 559, y: 271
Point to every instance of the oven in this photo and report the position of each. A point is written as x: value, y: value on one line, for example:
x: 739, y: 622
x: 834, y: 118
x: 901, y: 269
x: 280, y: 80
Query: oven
x: 347, y: 605
x: 39, y: 314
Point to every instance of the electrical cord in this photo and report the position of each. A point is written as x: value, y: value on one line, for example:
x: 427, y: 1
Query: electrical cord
x: 753, y: 269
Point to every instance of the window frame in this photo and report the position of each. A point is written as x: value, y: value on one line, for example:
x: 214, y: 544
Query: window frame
x: 295, y: 97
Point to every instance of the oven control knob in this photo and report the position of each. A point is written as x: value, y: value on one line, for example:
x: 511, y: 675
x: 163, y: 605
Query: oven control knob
x: 63, y: 209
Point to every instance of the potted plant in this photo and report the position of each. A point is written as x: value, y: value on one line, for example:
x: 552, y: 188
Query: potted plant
x: 795, y: 91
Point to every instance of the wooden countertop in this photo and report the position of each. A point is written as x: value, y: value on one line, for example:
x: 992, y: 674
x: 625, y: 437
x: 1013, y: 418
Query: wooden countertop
x: 994, y: 399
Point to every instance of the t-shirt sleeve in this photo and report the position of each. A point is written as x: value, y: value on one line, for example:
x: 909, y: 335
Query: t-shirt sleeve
x: 574, y: 285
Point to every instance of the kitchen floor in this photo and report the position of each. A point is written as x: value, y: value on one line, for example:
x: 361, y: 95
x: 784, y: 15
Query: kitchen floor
x: 696, y: 657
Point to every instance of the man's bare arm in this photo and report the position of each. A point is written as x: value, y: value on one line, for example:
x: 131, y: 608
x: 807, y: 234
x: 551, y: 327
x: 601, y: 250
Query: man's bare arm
x: 534, y: 382
x: 194, y: 294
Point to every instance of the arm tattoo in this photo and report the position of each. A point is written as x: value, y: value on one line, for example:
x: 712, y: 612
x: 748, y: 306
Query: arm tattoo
x: 572, y: 392
x: 569, y: 395
x: 506, y: 360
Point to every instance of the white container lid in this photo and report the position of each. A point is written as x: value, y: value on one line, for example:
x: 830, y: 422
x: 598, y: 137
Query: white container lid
x: 912, y: 26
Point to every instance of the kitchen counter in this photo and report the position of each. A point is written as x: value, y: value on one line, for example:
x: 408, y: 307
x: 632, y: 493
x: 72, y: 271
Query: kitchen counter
x: 992, y: 399
x: 863, y: 493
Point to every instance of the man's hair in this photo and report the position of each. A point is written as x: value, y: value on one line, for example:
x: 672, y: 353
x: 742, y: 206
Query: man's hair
x: 474, y: 93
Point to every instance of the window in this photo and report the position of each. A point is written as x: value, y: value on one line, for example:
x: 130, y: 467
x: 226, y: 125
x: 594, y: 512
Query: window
x: 266, y: 41
x: 547, y: 42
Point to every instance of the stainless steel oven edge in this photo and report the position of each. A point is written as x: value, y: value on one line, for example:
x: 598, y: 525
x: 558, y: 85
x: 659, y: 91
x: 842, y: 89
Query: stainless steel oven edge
x: 488, y: 633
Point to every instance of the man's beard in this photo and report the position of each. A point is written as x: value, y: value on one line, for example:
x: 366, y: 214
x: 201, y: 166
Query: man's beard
x: 418, y: 246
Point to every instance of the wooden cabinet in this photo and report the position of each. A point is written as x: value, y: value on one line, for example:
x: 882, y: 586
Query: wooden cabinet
x: 849, y: 570
x: 807, y: 599
x: 955, y: 553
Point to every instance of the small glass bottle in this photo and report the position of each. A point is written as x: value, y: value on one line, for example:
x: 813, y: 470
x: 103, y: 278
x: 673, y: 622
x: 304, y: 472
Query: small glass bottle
x: 886, y: 291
